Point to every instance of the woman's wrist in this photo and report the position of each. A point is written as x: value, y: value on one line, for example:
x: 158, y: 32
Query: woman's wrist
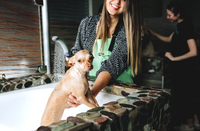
x: 94, y: 93
x: 101, y: 81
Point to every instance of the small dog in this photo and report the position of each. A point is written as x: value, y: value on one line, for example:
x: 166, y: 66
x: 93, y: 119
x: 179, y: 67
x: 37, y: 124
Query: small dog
x: 75, y: 82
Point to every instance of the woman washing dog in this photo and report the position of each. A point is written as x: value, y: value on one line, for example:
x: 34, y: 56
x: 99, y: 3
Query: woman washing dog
x: 114, y: 38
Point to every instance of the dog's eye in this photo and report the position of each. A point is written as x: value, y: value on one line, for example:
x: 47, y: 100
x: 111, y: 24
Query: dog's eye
x: 91, y: 58
x: 79, y: 60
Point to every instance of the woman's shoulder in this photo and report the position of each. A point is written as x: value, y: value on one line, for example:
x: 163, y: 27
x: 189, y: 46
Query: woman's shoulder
x: 186, y: 23
x: 186, y: 26
x: 91, y: 19
x: 122, y: 33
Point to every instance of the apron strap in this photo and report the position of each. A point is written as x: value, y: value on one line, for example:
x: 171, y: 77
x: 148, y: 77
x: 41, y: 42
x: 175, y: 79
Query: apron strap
x: 114, y: 35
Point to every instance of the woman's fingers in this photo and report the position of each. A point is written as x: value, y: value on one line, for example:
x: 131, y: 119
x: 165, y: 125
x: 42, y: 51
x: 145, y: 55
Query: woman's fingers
x: 151, y: 32
x: 68, y: 106
x: 75, y: 103
x: 73, y: 98
x: 72, y: 104
x: 66, y: 58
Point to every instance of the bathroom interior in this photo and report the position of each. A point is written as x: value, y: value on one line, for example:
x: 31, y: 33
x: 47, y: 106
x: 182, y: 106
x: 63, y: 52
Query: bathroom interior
x: 27, y: 65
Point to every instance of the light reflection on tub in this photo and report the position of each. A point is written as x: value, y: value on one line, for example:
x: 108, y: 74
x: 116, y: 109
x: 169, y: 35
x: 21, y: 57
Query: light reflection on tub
x: 21, y: 110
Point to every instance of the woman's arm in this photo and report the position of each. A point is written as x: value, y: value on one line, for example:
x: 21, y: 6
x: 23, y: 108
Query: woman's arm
x: 192, y: 52
x: 102, y: 80
x: 163, y: 38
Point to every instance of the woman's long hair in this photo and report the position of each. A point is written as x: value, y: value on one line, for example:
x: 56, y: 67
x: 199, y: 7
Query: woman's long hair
x: 133, y: 22
x: 102, y: 27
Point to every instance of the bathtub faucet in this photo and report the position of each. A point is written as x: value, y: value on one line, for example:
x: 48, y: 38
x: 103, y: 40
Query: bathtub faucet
x: 64, y: 46
x: 3, y: 78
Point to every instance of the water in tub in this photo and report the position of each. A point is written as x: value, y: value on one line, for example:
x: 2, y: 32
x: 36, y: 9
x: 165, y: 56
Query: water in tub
x: 21, y: 110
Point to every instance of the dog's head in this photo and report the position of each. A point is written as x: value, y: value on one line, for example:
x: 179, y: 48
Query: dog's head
x: 82, y: 60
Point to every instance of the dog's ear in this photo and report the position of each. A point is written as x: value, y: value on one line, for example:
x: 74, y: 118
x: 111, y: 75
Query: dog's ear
x: 70, y: 61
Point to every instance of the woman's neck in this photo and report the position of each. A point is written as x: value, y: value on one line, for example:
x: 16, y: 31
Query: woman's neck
x: 113, y: 24
x: 113, y: 21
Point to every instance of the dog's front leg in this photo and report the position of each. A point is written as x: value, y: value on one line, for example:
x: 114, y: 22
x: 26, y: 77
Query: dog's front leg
x: 85, y: 101
x: 91, y: 97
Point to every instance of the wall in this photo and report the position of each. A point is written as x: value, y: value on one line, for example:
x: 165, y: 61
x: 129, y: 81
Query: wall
x: 196, y: 11
x: 96, y: 5
x: 20, y: 52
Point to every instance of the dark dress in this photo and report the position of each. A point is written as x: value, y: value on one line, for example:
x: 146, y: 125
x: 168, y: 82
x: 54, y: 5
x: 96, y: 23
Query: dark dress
x: 183, y: 72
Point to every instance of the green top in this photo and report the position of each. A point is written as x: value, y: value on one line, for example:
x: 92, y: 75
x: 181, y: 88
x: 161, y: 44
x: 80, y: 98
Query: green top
x: 103, y: 55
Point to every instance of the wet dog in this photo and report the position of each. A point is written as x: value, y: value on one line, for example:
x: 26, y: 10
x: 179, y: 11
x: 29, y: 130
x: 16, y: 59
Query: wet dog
x: 75, y: 82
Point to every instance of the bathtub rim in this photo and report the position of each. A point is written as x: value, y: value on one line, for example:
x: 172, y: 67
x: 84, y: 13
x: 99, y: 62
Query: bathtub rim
x: 39, y: 87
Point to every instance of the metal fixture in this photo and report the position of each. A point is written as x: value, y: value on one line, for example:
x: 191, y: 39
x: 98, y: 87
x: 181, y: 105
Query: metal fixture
x: 46, y: 41
x: 63, y: 45
x: 3, y: 78
x: 42, y: 69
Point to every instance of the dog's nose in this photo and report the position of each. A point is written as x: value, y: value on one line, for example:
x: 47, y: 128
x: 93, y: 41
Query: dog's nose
x: 89, y: 66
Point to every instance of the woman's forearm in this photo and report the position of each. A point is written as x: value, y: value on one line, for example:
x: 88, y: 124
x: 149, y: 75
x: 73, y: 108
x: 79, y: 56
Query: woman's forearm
x: 102, y: 80
x: 185, y: 56
x: 182, y: 57
x: 192, y: 52
x: 163, y: 38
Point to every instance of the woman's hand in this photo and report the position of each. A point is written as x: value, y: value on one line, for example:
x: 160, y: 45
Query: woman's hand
x: 151, y: 32
x: 66, y: 58
x: 169, y: 55
x: 75, y: 103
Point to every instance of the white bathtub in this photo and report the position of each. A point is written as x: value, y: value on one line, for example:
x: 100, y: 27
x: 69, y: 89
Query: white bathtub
x: 21, y: 110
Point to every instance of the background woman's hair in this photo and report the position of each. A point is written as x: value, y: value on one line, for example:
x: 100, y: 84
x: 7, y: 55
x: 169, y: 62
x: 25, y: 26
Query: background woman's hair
x: 178, y: 7
x: 133, y: 22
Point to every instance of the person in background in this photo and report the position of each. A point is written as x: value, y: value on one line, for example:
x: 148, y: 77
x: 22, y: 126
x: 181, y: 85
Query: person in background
x: 183, y: 59
x: 114, y: 38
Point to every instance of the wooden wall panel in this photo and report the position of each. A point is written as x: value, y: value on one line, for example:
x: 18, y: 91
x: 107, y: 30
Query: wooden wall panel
x: 19, y: 37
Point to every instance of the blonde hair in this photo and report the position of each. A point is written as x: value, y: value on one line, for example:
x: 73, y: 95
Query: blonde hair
x: 133, y: 21
x: 102, y: 27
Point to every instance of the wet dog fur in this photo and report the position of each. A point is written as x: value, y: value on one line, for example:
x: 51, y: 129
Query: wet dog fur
x: 74, y: 81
